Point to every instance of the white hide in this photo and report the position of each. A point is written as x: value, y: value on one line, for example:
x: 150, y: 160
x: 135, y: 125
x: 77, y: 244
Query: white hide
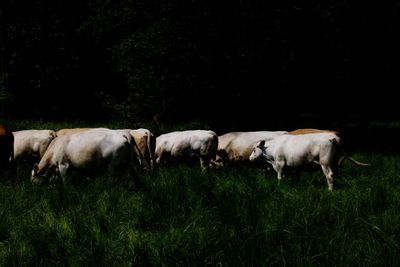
x: 201, y: 144
x: 299, y: 150
x: 90, y: 151
x: 31, y: 144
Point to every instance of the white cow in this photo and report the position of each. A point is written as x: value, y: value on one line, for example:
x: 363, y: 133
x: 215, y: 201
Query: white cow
x: 299, y: 150
x: 183, y: 145
x: 237, y: 146
x: 144, y: 140
x: 90, y: 151
x: 32, y: 144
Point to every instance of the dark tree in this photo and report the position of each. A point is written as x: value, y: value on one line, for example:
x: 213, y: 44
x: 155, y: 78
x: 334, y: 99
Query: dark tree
x: 235, y: 64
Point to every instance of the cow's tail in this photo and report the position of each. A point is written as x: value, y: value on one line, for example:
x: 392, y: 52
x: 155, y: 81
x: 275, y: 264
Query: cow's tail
x: 358, y: 163
x: 213, y: 146
x: 336, y: 140
x: 151, y: 146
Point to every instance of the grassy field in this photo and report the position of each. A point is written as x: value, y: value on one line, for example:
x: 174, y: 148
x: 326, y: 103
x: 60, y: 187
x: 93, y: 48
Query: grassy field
x: 183, y: 217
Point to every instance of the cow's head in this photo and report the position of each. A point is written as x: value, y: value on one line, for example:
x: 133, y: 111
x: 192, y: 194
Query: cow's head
x: 35, y: 178
x: 258, y: 152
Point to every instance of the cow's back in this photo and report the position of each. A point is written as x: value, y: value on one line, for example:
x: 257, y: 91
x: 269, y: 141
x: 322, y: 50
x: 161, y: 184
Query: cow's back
x: 311, y: 131
x: 95, y: 147
x: 166, y: 143
x: 69, y: 131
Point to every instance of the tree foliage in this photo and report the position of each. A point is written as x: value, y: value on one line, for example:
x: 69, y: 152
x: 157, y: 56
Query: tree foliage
x: 181, y: 60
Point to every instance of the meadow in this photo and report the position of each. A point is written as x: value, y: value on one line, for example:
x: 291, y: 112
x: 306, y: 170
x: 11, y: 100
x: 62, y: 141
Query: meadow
x: 236, y: 216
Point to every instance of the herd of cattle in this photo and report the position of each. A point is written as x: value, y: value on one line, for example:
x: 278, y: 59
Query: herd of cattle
x: 122, y: 151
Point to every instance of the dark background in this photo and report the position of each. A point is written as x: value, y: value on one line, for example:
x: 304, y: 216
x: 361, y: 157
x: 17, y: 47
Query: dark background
x: 232, y: 64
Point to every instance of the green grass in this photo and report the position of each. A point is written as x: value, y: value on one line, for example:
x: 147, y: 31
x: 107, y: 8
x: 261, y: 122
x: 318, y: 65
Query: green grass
x: 184, y: 217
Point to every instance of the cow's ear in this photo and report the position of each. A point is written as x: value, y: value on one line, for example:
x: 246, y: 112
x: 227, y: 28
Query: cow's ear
x: 261, y: 144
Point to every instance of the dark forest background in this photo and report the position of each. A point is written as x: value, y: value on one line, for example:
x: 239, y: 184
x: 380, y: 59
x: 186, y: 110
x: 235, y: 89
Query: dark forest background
x: 233, y: 64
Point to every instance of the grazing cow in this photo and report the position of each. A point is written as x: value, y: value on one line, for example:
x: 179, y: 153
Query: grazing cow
x: 144, y: 140
x: 310, y: 130
x: 299, y: 150
x: 7, y: 152
x: 89, y: 152
x: 146, y: 143
x: 237, y: 146
x: 31, y: 144
x: 182, y: 145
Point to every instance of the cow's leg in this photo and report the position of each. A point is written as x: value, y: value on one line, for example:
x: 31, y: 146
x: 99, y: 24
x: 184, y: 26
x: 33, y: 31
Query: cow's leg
x: 329, y: 176
x: 62, y: 171
x: 278, y: 167
x: 204, y: 163
x: 159, y: 158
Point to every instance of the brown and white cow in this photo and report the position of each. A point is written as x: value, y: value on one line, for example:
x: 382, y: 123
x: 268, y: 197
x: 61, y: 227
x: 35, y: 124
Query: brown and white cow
x: 183, y: 145
x: 146, y: 143
x: 237, y: 146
